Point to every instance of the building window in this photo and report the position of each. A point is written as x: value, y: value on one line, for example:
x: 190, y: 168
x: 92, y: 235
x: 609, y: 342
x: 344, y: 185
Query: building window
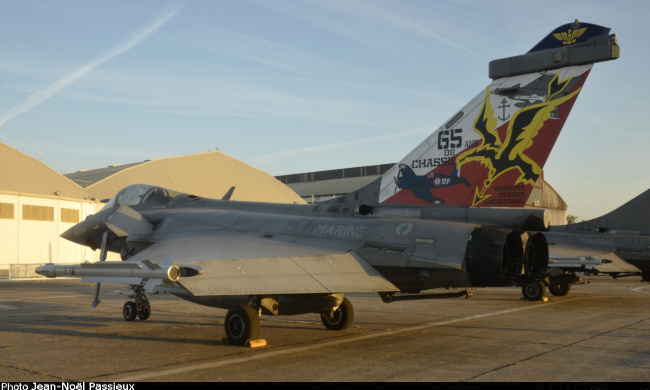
x: 38, y: 213
x: 6, y: 211
x: 69, y: 215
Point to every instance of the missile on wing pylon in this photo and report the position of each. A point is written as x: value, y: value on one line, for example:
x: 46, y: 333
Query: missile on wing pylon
x: 133, y: 272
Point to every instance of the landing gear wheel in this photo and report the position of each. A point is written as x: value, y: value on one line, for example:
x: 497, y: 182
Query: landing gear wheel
x: 144, y: 312
x: 559, y: 290
x: 645, y: 276
x: 129, y: 311
x: 339, y: 319
x: 242, y: 324
x: 141, y: 308
x: 533, y: 291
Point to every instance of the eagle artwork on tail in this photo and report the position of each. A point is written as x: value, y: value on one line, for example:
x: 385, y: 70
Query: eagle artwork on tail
x: 500, y: 156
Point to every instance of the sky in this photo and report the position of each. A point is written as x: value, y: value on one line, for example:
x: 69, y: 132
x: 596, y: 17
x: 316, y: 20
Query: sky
x: 299, y: 86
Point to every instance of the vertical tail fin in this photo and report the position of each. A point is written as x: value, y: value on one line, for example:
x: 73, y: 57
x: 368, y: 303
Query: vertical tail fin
x: 493, y: 150
x: 633, y: 215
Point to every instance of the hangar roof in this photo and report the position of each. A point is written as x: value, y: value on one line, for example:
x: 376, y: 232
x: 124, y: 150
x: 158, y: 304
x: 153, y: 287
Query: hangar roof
x: 90, y: 176
x: 24, y: 174
x: 209, y: 174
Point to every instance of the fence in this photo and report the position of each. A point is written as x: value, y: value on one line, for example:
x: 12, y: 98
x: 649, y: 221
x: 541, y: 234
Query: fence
x: 17, y: 271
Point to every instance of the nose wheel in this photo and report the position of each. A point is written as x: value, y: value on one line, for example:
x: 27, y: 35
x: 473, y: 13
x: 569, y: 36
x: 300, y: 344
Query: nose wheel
x: 140, y: 308
x: 129, y: 311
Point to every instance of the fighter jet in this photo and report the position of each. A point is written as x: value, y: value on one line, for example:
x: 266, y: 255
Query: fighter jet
x: 617, y: 244
x: 279, y: 259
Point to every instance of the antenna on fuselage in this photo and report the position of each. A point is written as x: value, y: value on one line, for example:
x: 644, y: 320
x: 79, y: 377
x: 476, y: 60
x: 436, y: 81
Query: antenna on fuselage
x: 229, y: 193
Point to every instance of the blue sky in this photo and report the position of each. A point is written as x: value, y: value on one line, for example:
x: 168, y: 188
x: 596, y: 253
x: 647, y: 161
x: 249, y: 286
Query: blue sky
x: 296, y: 86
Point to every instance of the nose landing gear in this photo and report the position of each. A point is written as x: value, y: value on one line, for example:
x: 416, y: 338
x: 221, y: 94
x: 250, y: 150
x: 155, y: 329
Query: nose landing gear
x: 140, y: 308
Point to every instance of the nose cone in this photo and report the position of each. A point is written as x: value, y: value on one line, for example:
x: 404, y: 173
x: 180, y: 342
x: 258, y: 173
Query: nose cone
x: 70, y: 234
x: 88, y: 232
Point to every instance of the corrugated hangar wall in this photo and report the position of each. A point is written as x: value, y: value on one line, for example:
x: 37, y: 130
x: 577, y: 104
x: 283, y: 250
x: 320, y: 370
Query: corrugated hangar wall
x: 30, y: 228
x: 36, y: 205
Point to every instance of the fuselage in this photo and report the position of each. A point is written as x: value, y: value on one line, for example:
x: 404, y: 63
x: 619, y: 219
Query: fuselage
x: 414, y: 249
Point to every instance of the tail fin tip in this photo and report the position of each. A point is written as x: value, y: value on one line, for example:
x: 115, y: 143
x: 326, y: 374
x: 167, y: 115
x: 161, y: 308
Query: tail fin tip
x: 571, y: 44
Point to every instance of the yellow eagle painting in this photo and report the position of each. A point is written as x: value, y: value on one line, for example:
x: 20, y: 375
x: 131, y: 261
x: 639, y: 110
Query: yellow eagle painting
x: 500, y: 156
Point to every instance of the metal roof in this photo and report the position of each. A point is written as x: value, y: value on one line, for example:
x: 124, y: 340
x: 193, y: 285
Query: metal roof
x: 23, y: 174
x: 209, y: 174
x: 88, y: 177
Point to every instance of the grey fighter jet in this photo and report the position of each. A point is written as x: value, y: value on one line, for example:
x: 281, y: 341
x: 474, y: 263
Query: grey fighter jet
x: 617, y: 244
x: 278, y: 259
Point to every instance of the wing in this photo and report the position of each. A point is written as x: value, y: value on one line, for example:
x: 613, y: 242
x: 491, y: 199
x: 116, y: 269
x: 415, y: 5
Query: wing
x: 246, y: 266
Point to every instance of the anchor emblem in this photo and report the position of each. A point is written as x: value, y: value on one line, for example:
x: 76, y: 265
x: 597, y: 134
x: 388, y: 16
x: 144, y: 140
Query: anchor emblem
x: 504, y: 106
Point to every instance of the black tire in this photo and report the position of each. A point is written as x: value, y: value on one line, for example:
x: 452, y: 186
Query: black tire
x: 533, y: 291
x: 144, y: 313
x: 559, y: 290
x: 129, y: 311
x: 242, y: 324
x: 339, y: 319
x: 645, y: 276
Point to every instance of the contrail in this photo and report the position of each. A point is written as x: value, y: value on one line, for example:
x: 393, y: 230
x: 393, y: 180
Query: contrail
x: 38, y: 97
x: 319, y: 148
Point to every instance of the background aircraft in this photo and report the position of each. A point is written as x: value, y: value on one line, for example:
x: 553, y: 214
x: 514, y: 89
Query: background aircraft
x: 619, y: 239
x: 277, y: 259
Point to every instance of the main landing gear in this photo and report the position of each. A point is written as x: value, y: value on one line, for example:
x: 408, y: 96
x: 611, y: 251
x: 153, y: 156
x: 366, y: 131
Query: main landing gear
x: 140, y: 308
x: 559, y: 290
x: 533, y: 291
x: 536, y: 291
x: 242, y: 322
x: 339, y: 319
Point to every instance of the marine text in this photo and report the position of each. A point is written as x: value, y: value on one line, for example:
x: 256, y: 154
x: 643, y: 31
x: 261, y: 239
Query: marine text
x: 340, y: 230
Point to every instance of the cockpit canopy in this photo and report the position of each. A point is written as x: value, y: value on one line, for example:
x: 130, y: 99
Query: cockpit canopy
x: 142, y: 194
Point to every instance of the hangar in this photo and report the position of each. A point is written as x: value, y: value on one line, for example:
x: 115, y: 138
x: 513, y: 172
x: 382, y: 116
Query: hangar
x: 37, y: 203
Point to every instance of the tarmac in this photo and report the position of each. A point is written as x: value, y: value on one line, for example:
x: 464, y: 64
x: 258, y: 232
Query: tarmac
x: 600, y: 332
